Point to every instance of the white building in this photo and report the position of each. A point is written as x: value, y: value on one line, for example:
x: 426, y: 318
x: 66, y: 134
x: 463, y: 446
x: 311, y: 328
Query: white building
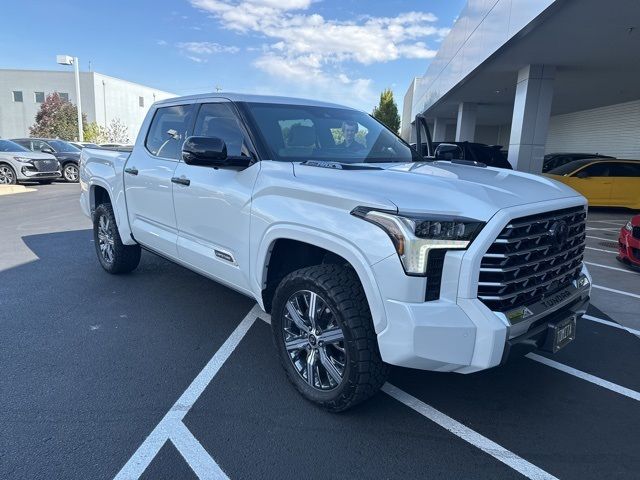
x: 536, y: 76
x: 103, y: 98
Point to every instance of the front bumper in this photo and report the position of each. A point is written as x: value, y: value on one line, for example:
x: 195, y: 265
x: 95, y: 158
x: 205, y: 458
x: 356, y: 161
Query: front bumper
x: 465, y: 336
x: 629, y: 249
x: 32, y: 175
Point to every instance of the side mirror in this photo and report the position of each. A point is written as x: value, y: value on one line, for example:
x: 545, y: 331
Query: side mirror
x: 47, y: 150
x: 211, y: 152
x: 582, y: 174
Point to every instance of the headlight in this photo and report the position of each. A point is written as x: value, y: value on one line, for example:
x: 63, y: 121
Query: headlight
x: 628, y: 226
x: 23, y: 159
x: 415, y: 235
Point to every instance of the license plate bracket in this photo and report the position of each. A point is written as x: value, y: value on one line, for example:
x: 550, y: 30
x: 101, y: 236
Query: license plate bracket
x: 560, y: 334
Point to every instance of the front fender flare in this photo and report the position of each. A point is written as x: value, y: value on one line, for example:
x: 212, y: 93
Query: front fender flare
x: 340, y: 246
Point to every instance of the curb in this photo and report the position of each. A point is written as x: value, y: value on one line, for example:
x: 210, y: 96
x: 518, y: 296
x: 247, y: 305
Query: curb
x: 11, y: 189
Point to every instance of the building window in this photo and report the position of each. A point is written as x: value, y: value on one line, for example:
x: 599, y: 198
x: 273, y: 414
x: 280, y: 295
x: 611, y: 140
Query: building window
x: 64, y: 96
x: 141, y: 101
x: 39, y: 97
x: 17, y: 96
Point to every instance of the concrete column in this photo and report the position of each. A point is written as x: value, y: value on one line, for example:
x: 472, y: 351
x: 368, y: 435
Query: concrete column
x: 439, y: 129
x: 530, y: 122
x: 466, y: 127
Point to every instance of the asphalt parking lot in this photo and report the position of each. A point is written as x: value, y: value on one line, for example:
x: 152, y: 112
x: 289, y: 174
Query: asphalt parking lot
x: 165, y: 374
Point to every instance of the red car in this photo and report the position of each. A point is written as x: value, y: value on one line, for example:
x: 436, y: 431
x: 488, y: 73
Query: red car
x: 629, y: 243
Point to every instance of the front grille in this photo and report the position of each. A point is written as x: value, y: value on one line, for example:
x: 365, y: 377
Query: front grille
x: 636, y: 232
x: 46, y: 165
x: 533, y: 256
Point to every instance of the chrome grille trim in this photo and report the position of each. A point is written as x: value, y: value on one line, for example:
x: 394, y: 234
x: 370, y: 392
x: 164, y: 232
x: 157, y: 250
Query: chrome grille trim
x: 525, y: 263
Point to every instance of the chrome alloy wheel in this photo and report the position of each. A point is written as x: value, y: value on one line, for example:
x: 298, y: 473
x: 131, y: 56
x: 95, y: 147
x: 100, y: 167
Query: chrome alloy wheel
x: 105, y: 238
x: 71, y: 173
x: 314, y: 340
x: 6, y: 175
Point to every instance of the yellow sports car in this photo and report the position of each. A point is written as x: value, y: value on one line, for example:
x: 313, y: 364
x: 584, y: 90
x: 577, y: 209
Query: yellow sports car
x: 606, y: 182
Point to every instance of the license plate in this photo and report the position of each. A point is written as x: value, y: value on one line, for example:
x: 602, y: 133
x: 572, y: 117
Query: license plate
x: 563, y: 333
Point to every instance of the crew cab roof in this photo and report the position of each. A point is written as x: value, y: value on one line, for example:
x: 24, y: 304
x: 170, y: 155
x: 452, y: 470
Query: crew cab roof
x: 243, y: 97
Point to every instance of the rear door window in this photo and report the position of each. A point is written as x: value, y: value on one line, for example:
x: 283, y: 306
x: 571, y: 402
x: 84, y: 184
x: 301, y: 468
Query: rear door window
x: 168, y: 131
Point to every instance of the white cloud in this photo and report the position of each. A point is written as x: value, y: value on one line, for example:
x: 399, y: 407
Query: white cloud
x: 305, y: 47
x: 198, y: 51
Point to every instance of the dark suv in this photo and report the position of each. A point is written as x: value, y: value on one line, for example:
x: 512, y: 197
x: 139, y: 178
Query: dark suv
x: 67, y: 154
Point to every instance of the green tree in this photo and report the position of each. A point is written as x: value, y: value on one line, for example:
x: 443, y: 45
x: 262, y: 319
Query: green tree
x: 57, y: 118
x: 387, y: 111
x: 95, y: 133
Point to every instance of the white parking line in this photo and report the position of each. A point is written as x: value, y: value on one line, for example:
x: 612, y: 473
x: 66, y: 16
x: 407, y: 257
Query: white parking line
x: 601, y: 250
x: 613, y: 290
x: 614, y: 387
x: 611, y: 268
x: 607, y: 221
x: 604, y: 229
x: 605, y: 239
x: 465, y: 433
x: 171, y: 426
x: 611, y: 324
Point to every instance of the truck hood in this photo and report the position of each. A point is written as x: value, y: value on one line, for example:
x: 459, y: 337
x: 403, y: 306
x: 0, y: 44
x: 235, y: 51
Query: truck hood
x: 438, y: 187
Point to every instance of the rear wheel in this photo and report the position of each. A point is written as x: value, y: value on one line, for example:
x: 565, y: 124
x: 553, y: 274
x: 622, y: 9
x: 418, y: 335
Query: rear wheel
x: 70, y: 172
x: 7, y: 175
x: 325, y: 338
x: 114, y: 256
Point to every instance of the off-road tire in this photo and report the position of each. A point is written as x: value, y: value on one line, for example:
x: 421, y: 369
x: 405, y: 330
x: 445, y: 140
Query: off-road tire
x: 364, y: 372
x: 125, y: 258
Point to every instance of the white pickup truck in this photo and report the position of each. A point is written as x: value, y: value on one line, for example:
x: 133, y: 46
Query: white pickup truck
x: 365, y: 253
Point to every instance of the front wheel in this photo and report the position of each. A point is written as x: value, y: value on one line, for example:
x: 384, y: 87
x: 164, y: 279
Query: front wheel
x: 70, y: 172
x: 325, y: 338
x: 114, y: 256
x: 7, y: 175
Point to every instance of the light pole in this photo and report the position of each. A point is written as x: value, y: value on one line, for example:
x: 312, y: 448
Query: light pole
x: 67, y: 60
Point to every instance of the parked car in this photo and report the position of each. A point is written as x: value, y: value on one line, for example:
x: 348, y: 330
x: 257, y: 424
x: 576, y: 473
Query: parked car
x: 111, y: 145
x: 629, y: 243
x: 67, y: 154
x: 605, y: 182
x: 364, y: 254
x: 490, y: 155
x: 555, y: 160
x: 81, y: 145
x: 17, y: 164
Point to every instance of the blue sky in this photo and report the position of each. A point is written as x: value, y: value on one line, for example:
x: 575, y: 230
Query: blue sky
x: 339, y: 50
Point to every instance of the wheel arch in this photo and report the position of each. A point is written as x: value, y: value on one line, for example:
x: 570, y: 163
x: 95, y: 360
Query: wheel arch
x: 99, y: 193
x: 286, y: 249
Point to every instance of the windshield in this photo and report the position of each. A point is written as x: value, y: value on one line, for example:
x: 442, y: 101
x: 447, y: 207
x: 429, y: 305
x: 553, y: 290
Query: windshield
x: 64, y: 147
x: 570, y: 167
x: 9, y: 146
x: 296, y: 133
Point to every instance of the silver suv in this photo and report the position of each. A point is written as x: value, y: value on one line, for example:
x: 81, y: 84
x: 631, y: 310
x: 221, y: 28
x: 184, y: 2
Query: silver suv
x: 17, y: 164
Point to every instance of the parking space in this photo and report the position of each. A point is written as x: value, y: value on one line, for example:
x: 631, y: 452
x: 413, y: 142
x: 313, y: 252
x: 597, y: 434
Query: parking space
x: 164, y: 373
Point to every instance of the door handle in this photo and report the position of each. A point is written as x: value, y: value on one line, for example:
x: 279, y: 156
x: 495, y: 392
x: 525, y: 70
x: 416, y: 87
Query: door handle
x: 131, y: 171
x: 181, y: 181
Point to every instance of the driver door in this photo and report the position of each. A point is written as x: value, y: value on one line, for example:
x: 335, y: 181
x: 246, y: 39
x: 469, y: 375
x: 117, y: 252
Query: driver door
x: 594, y: 182
x: 213, y: 205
